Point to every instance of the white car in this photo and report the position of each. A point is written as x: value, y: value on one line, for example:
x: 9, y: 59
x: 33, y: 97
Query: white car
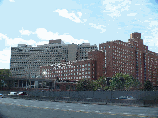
x: 12, y: 93
x: 126, y: 97
x: 22, y: 93
x: 1, y: 95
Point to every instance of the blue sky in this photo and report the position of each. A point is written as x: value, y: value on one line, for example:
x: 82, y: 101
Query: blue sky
x: 34, y: 22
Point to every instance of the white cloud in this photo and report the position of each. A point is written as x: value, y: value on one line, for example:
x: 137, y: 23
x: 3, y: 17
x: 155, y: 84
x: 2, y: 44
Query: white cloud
x: 146, y: 21
x: 116, y: 9
x: 25, y: 32
x: 43, y: 34
x: 84, y: 20
x: 5, y: 55
x: 70, y: 39
x: 79, y: 14
x: 11, y: 0
x: 71, y: 16
x: 151, y: 40
x: 153, y: 23
x: 131, y: 14
x: 98, y: 27
x: 15, y: 41
x: 42, y: 42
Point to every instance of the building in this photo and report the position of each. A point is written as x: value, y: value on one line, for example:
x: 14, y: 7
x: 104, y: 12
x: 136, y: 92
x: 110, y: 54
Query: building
x: 132, y: 57
x: 26, y: 60
x: 91, y: 68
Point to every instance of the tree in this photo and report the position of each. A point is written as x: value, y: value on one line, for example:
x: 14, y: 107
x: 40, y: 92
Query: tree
x: 101, y: 83
x: 136, y: 84
x: 148, y: 86
x: 1, y: 78
x: 124, y: 82
x: 117, y: 82
x: 85, y: 85
x: 4, y: 75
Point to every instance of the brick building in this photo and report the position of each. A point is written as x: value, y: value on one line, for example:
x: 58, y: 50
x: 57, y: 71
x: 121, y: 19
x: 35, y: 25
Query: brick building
x: 91, y: 68
x: 131, y: 57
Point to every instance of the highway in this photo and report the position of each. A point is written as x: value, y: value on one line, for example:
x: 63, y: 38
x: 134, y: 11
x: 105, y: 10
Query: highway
x: 15, y: 108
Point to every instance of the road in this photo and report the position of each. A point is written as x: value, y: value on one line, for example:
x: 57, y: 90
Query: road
x: 21, y: 108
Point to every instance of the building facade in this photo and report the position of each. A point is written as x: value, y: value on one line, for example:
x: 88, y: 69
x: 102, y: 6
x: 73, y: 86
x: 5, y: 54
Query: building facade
x: 91, y: 68
x: 131, y: 58
x: 26, y: 60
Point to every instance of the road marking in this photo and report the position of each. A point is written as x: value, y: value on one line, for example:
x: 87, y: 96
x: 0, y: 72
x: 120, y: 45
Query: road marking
x: 97, y: 111
x: 64, y: 110
x: 129, y: 115
x: 100, y: 113
x: 125, y: 113
x: 142, y: 116
x: 82, y: 110
x: 86, y: 112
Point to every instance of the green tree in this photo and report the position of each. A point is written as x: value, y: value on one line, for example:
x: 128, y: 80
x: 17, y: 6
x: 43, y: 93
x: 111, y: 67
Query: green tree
x: 4, y: 75
x: 124, y: 82
x: 136, y: 84
x: 85, y: 85
x: 117, y: 82
x: 101, y: 83
x: 148, y: 86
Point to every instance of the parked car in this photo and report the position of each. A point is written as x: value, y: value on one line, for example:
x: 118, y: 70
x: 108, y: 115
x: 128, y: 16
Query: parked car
x: 22, y: 93
x: 126, y: 97
x: 1, y: 95
x: 12, y: 93
x: 130, y: 98
x: 122, y: 97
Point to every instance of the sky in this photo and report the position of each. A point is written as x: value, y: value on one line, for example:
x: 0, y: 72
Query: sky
x: 35, y: 22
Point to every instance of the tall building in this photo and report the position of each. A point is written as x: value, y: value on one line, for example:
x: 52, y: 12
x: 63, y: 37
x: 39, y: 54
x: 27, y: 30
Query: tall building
x: 91, y: 68
x: 132, y: 57
x: 26, y: 60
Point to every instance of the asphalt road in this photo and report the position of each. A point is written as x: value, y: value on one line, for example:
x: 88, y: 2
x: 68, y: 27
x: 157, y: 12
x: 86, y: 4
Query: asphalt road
x: 21, y: 108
